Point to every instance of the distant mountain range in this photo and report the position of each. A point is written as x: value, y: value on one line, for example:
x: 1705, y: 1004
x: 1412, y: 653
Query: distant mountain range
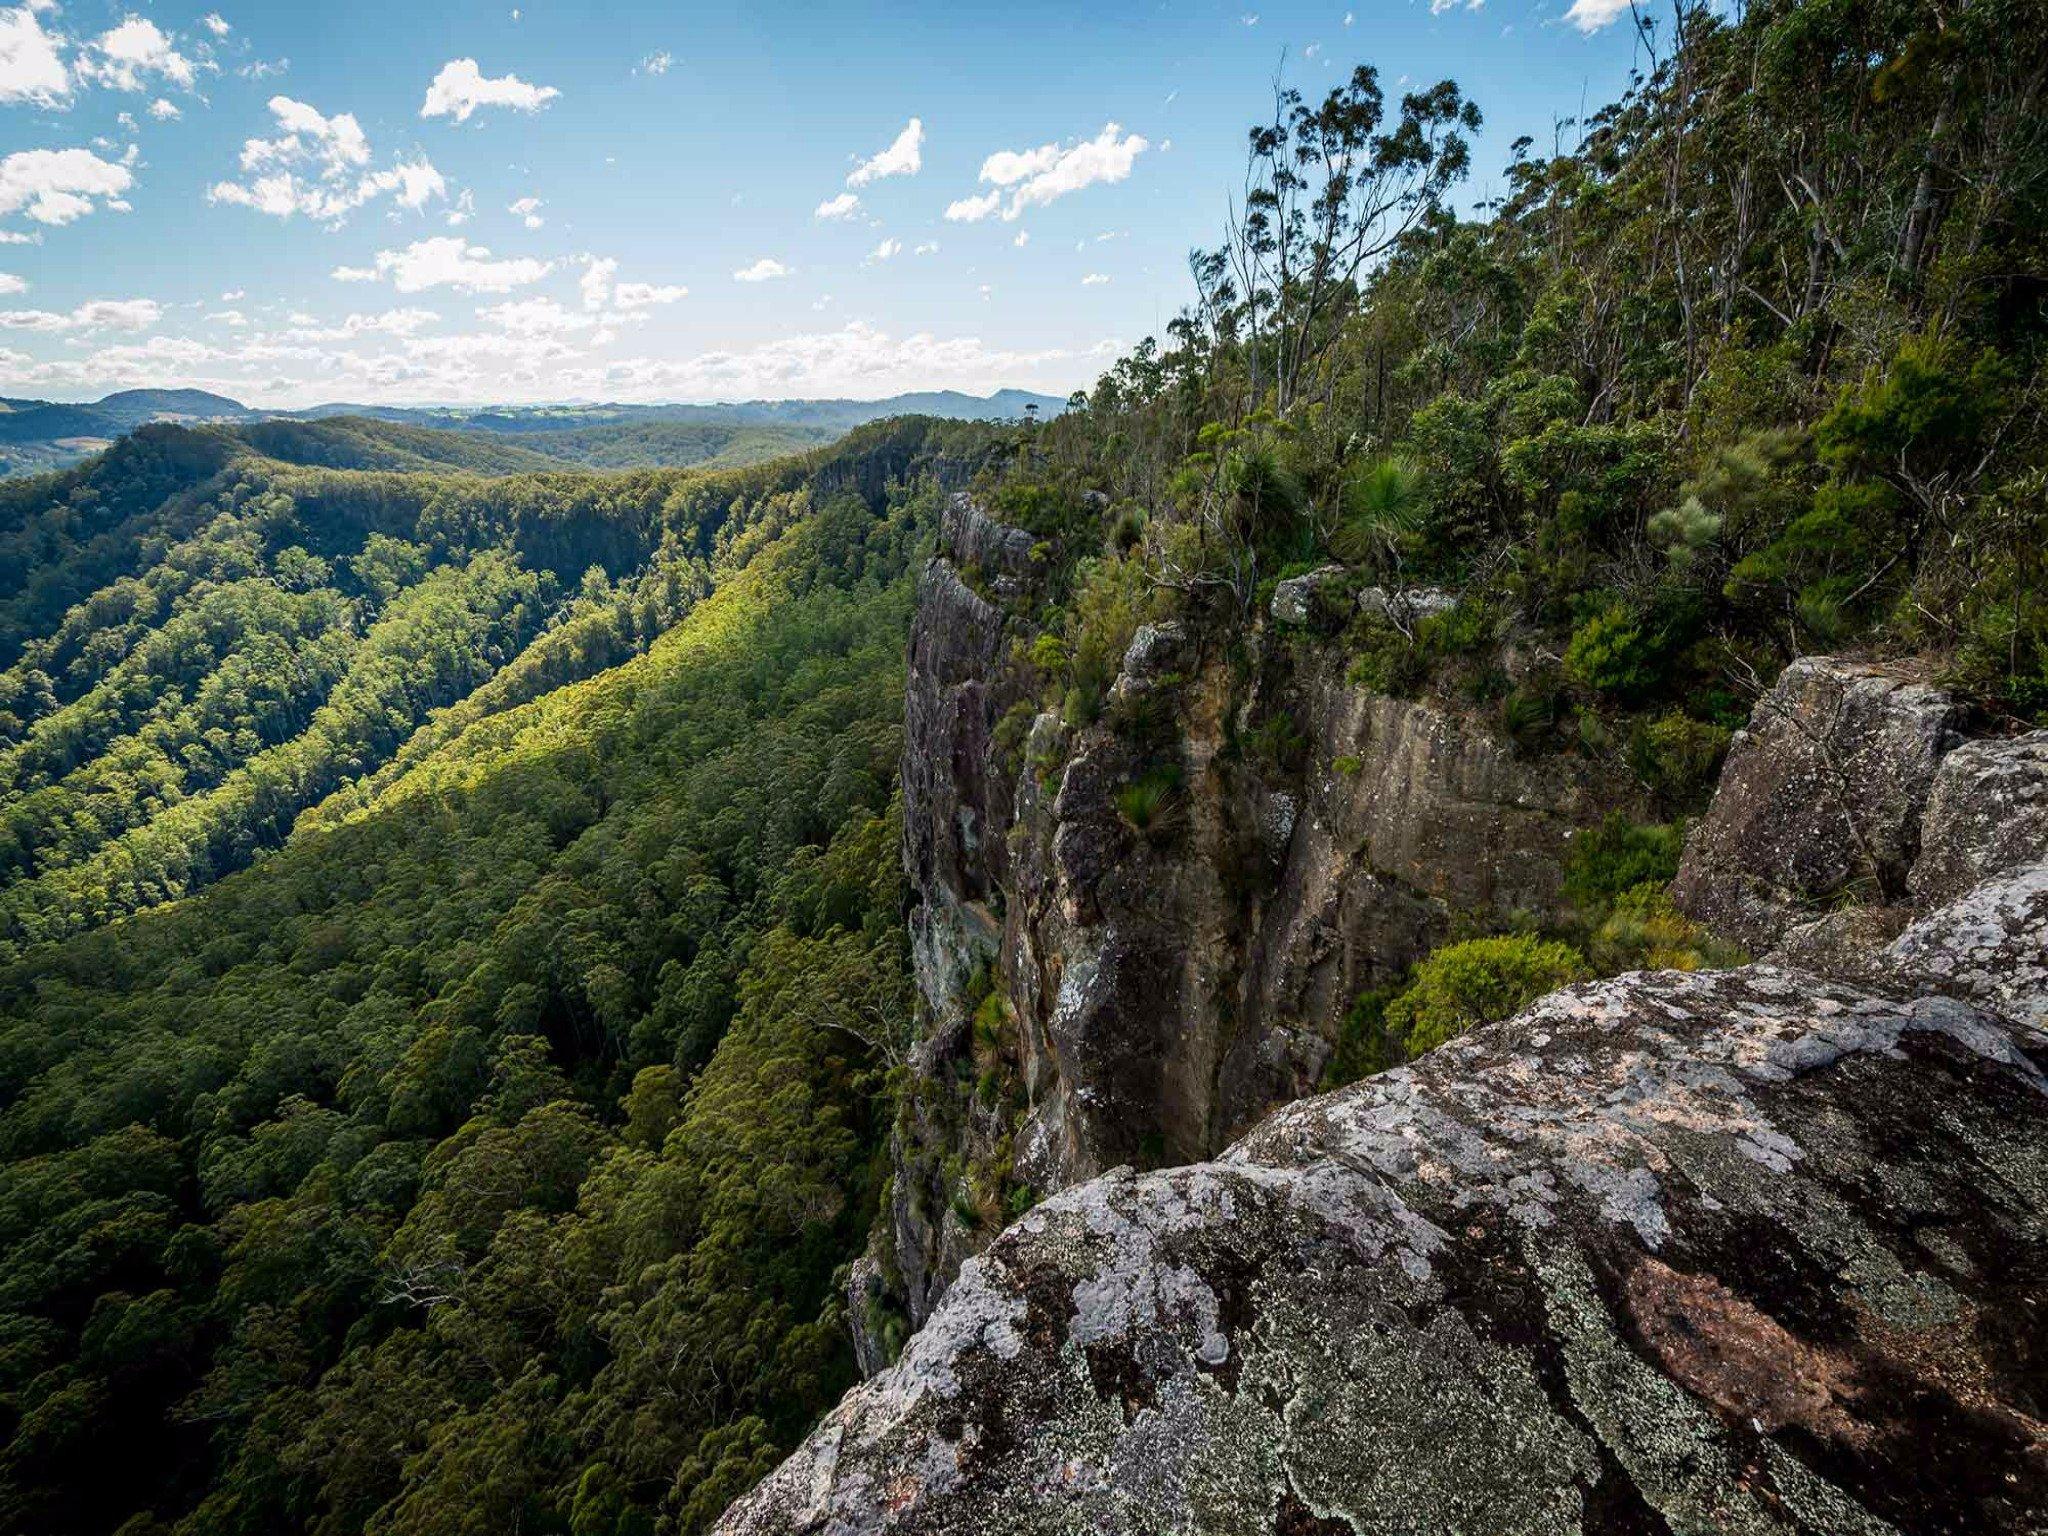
x: 38, y: 435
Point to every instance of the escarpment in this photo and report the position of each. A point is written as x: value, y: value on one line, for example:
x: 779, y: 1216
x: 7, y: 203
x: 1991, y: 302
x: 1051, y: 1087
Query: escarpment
x: 1134, y: 936
x: 1756, y: 1249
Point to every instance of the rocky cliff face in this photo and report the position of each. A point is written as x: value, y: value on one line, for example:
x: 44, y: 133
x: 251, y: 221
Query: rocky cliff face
x: 1099, y: 989
x: 1755, y: 1250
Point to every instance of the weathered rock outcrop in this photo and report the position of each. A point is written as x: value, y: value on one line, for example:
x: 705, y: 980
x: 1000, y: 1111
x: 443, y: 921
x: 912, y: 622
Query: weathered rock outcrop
x: 1821, y: 799
x: 1150, y: 977
x: 1986, y: 813
x: 1739, y: 1251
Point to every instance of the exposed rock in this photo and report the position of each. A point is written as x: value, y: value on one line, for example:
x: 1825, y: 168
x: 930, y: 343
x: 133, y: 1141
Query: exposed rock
x: 1989, y: 944
x: 1296, y: 599
x: 866, y: 1294
x: 976, y: 541
x: 1987, y: 813
x: 1846, y: 945
x: 1405, y: 607
x: 1739, y: 1251
x: 1821, y: 798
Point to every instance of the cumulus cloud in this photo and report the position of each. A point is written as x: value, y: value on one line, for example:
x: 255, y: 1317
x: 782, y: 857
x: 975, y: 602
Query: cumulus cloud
x: 448, y: 261
x: 886, y: 250
x: 56, y: 186
x: 840, y: 207
x: 1592, y: 15
x: 761, y: 271
x: 164, y: 110
x: 9, y: 283
x: 972, y: 210
x: 97, y: 315
x: 904, y: 157
x: 461, y: 88
x: 1033, y: 177
x: 31, y: 68
x: 317, y: 166
x: 234, y: 319
x: 657, y: 63
x: 601, y: 289
x: 214, y: 23
x: 637, y: 296
x: 527, y: 210
x: 125, y: 56
x: 1094, y: 279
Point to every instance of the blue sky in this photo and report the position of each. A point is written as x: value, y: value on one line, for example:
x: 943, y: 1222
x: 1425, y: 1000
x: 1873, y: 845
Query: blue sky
x: 422, y: 202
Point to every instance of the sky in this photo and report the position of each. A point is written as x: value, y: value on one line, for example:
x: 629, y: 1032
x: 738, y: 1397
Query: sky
x: 415, y: 202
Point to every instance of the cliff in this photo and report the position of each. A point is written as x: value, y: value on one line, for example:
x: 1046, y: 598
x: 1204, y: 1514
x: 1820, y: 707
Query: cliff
x: 1757, y: 1249
x: 1106, y: 981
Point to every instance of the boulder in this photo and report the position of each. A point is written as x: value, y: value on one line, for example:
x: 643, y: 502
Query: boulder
x: 1987, y: 813
x: 1296, y: 600
x: 1405, y: 607
x: 1737, y: 1251
x: 1820, y: 800
x: 1989, y: 945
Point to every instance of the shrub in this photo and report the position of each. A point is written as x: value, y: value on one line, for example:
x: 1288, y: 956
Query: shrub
x: 1678, y: 756
x: 1645, y: 931
x: 1480, y: 981
x: 1619, y: 855
x: 1147, y: 801
x: 1613, y: 652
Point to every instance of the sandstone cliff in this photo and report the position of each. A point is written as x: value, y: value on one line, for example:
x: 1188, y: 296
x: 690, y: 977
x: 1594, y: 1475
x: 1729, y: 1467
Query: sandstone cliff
x: 1096, y: 993
x: 1760, y: 1249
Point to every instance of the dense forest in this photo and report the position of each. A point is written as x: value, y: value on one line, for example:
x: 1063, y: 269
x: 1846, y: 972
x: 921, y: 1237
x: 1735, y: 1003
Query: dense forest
x: 481, y: 1156
x: 452, y: 932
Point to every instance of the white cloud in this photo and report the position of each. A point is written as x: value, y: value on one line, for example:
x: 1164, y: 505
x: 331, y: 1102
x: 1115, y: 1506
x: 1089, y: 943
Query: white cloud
x: 886, y: 250
x: 599, y: 277
x: 31, y: 69
x: 316, y: 167
x: 926, y: 248
x: 232, y: 294
x: 1592, y: 15
x: 527, y: 210
x: 97, y: 315
x: 1023, y: 239
x: 838, y: 207
x: 1094, y: 279
x: 537, y: 317
x: 461, y: 88
x: 463, y: 211
x: 164, y: 110
x: 655, y: 63
x: 234, y: 319
x: 1438, y: 7
x: 214, y: 23
x: 1038, y: 176
x: 9, y: 283
x: 56, y: 186
x: 972, y: 210
x: 122, y: 56
x: 904, y: 157
x: 761, y: 271
x: 16, y: 237
x: 634, y: 296
x: 449, y: 261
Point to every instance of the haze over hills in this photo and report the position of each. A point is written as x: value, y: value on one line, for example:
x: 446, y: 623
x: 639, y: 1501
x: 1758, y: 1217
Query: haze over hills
x: 1428, y: 911
x: 40, y: 435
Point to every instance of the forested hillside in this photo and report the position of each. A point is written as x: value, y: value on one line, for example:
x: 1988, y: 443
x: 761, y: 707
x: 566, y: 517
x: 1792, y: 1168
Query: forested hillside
x: 456, y: 1007
x: 483, y: 1155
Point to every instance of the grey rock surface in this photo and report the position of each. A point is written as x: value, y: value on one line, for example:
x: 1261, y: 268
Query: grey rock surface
x: 1986, y: 813
x: 1742, y: 1251
x: 1820, y: 800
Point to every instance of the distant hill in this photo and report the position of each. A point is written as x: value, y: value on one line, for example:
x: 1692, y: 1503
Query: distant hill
x: 40, y: 435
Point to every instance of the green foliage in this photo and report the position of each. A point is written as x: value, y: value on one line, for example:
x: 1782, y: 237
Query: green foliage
x: 1618, y: 855
x: 481, y: 1155
x: 1479, y: 981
